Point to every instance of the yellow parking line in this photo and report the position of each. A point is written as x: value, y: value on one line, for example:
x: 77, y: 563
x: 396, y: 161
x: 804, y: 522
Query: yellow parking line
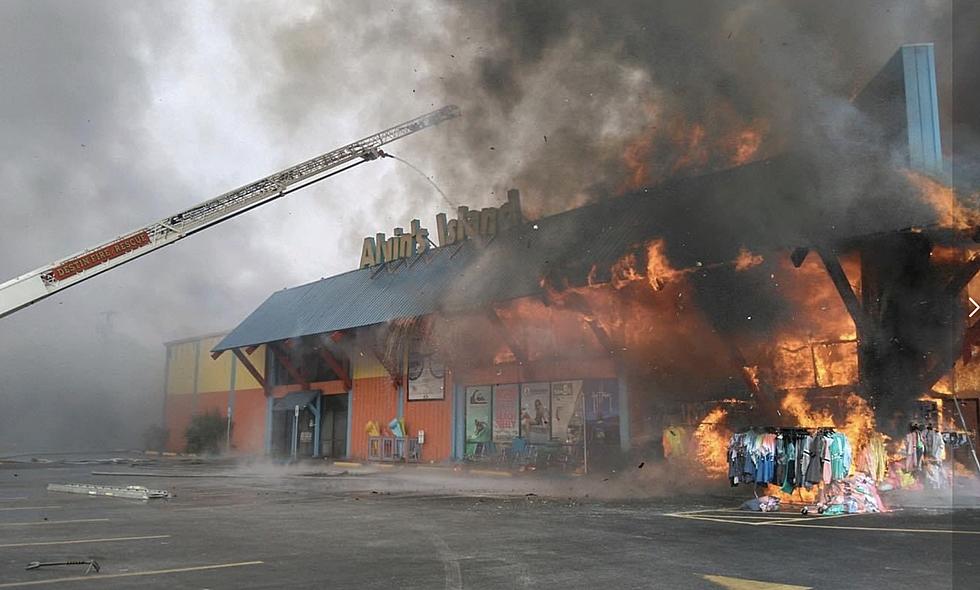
x: 176, y: 570
x: 871, y: 528
x: 491, y: 473
x: 30, y: 508
x: 40, y: 522
x: 815, y: 517
x: 769, y: 516
x: 711, y: 519
x: 76, y: 541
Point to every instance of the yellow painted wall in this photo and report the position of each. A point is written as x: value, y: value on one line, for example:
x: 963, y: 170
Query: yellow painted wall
x: 213, y: 375
x: 244, y: 379
x: 368, y: 366
x: 180, y: 368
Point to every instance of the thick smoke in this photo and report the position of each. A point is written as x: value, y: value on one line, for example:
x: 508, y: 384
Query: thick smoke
x: 115, y: 115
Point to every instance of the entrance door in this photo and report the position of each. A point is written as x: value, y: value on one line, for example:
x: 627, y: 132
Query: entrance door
x: 282, y: 429
x: 333, y: 431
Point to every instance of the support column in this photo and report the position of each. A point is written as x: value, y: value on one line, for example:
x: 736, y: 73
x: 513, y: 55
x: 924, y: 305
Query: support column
x: 350, y: 421
x: 459, y: 413
x: 231, y: 403
x: 624, y: 413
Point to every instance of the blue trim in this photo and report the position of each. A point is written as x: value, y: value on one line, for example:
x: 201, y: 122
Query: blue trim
x: 459, y: 409
x: 624, y: 414
x: 317, y: 411
x: 922, y: 108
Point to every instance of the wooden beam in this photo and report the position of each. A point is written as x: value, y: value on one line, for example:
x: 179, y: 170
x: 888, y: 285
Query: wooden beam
x: 250, y: 350
x: 216, y: 354
x: 251, y: 368
x: 284, y: 360
x: 336, y: 366
x: 396, y: 376
x: 515, y: 347
x: 600, y: 334
x: 963, y: 275
x: 836, y: 272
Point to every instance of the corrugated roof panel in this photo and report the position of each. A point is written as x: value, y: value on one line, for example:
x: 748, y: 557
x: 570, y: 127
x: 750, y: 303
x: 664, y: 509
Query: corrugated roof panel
x: 776, y: 203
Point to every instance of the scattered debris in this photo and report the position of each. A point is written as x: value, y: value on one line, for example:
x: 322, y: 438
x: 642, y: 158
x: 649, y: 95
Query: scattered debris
x: 131, y: 492
x: 91, y: 563
x: 640, y: 466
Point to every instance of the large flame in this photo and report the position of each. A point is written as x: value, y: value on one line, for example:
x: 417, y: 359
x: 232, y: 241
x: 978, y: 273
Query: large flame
x: 711, y: 437
x: 952, y: 213
x: 679, y: 146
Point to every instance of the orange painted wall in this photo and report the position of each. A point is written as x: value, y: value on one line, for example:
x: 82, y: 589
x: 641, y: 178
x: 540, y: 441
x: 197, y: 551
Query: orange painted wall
x: 375, y: 398
x: 248, y: 431
x: 435, y: 418
x: 179, y: 410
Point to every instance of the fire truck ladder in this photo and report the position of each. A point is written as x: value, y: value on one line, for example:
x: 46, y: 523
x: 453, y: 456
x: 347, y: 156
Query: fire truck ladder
x: 43, y: 282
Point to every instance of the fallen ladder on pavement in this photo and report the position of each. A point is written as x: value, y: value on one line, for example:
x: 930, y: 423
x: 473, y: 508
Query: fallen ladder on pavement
x: 130, y: 492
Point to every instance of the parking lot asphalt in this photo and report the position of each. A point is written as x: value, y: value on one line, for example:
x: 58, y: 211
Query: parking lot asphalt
x: 233, y: 528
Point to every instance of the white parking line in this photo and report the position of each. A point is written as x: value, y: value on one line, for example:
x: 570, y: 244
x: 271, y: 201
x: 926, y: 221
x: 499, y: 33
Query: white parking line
x: 129, y: 574
x: 76, y: 541
x: 42, y: 522
x: 29, y: 508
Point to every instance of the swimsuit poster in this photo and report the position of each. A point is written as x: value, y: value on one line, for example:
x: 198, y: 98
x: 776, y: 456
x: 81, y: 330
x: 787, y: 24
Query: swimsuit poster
x: 478, y: 414
x: 536, y: 412
x: 566, y: 408
x: 505, y: 410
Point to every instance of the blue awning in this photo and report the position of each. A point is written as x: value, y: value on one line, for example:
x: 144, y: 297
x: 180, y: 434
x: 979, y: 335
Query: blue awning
x: 296, y: 398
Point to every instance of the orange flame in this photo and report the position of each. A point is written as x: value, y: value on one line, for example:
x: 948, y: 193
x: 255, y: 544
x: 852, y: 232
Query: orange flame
x: 711, y: 437
x: 944, y: 200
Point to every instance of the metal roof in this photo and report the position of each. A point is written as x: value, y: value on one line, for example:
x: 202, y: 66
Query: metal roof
x: 767, y: 205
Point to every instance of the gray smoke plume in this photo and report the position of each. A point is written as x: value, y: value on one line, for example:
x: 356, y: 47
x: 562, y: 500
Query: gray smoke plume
x: 117, y: 114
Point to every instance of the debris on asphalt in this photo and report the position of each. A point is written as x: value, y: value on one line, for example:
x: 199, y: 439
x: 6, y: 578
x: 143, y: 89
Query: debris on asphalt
x: 130, y: 492
x: 91, y: 563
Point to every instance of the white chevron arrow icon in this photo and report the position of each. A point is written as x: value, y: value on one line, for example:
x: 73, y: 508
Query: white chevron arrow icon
x: 976, y: 307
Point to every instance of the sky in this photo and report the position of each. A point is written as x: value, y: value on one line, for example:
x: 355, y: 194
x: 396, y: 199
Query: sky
x: 116, y: 114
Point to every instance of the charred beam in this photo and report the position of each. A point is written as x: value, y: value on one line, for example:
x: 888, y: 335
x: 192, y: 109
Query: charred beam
x: 600, y: 334
x: 515, y: 347
x: 963, y: 275
x: 393, y: 371
x: 839, y: 278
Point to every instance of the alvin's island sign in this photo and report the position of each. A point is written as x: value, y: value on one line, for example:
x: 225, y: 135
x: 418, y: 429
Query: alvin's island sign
x: 467, y: 224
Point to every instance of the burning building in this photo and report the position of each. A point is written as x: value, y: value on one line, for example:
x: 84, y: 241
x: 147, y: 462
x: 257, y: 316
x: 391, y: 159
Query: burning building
x: 748, y: 296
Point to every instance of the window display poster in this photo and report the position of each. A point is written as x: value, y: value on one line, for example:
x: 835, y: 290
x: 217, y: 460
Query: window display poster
x: 505, y: 411
x: 536, y: 412
x: 566, y: 408
x: 478, y: 412
x: 602, y: 411
x: 426, y: 386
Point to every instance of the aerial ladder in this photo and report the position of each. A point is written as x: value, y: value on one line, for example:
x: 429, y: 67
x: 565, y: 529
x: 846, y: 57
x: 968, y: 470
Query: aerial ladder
x: 43, y: 282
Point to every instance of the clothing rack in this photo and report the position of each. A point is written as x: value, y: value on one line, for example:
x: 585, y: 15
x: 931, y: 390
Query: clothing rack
x: 789, y: 457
